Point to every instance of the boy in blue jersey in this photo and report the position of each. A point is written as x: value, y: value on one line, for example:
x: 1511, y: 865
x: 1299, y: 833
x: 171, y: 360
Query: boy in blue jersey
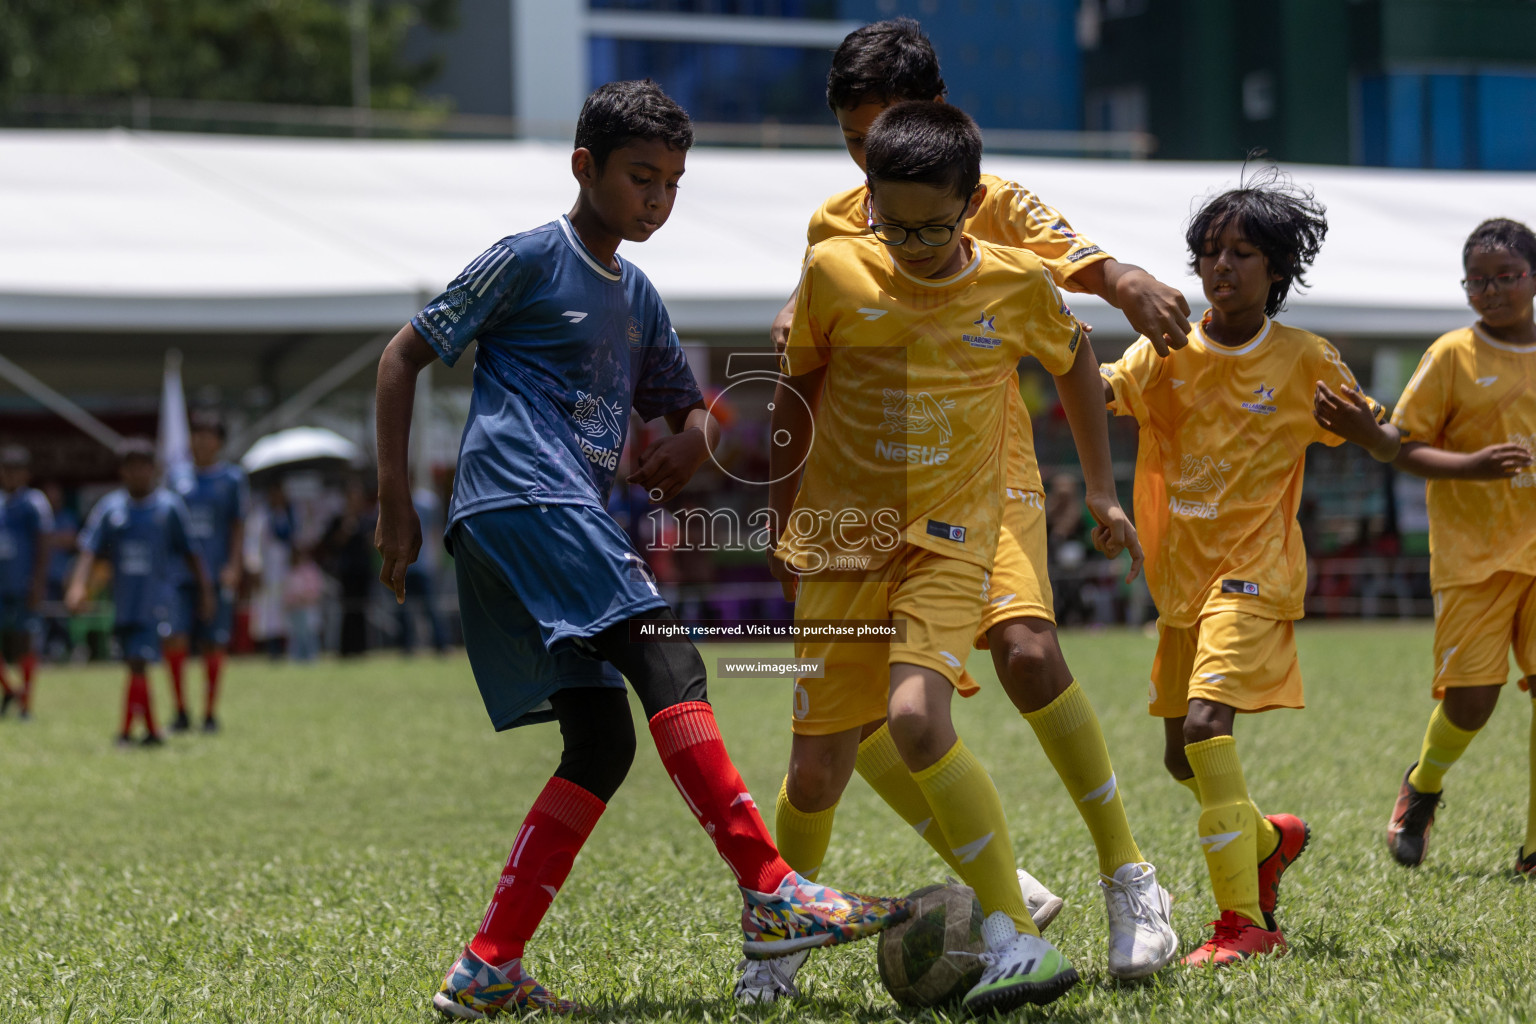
x: 26, y: 520
x: 140, y: 530
x: 216, y: 497
x: 556, y: 604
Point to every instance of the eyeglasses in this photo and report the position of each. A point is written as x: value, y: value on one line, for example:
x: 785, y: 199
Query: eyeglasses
x: 931, y: 235
x: 1500, y: 282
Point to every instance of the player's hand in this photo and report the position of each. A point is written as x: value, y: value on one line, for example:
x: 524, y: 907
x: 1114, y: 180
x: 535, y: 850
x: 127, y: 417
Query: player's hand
x: 74, y: 598
x: 789, y: 580
x: 398, y: 540
x: 1114, y: 533
x: 1349, y: 415
x: 1498, y: 462
x: 1155, y: 310
x: 667, y: 465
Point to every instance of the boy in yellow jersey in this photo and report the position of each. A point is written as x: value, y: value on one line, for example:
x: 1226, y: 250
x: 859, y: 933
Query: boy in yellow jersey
x: 900, y: 363
x: 1225, y: 423
x: 876, y: 66
x: 1468, y: 420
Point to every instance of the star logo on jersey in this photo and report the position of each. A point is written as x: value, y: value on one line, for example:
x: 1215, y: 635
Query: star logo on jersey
x: 575, y: 316
x: 1263, y: 406
x: 986, y: 323
x: 872, y: 313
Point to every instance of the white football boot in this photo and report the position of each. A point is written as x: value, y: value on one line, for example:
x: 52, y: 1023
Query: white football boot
x: 1017, y: 969
x: 764, y: 981
x: 1141, y: 939
x: 1042, y: 904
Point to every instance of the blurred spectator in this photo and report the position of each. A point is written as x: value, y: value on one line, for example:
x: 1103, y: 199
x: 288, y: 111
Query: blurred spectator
x: 303, y: 591
x: 1065, y: 537
x: 268, y: 547
x: 348, y: 549
x: 61, y: 546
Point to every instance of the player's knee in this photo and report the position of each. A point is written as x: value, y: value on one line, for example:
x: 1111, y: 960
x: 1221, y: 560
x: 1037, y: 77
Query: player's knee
x: 599, y: 737
x: 813, y: 782
x: 1203, y: 724
x: 1029, y: 663
x: 916, y: 735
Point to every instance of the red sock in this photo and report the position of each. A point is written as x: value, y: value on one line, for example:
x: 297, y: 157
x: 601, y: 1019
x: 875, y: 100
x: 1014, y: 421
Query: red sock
x: 559, y: 823
x: 174, y: 660
x: 28, y: 670
x: 130, y: 703
x: 138, y: 698
x: 213, y: 663
x: 691, y: 749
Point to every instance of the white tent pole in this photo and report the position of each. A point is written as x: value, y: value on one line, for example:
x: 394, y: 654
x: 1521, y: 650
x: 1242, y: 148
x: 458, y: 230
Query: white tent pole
x: 51, y: 399
x: 315, y: 390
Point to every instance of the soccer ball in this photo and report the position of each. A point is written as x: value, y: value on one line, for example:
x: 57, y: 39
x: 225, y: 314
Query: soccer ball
x: 928, y: 959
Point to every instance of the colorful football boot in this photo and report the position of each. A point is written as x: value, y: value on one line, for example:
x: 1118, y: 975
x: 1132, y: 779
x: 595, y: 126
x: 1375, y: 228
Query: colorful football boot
x: 475, y: 990
x: 1295, y: 834
x: 1412, y: 816
x: 1525, y: 863
x: 801, y: 914
x: 1234, y: 938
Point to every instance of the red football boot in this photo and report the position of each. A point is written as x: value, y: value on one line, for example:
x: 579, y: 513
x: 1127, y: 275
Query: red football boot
x: 1294, y: 836
x: 1235, y: 938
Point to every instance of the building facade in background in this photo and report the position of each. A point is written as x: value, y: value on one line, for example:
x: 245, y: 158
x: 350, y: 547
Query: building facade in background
x: 1391, y: 83
x: 1013, y: 64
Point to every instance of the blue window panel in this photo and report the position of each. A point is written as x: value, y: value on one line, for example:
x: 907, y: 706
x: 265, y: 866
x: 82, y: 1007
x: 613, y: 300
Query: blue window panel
x: 1405, y: 121
x: 1448, y: 122
x: 1373, y: 120
x: 1505, y: 104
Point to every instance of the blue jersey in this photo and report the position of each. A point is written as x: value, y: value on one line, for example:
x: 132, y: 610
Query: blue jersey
x: 567, y: 348
x: 25, y: 521
x: 216, y: 502
x: 146, y: 542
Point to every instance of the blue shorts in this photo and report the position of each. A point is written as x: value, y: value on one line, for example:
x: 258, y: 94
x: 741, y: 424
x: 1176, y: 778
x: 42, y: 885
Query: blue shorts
x: 186, y: 620
x: 533, y: 581
x: 141, y: 639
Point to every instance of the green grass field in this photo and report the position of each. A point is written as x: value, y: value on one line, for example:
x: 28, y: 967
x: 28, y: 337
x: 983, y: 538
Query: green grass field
x: 325, y: 856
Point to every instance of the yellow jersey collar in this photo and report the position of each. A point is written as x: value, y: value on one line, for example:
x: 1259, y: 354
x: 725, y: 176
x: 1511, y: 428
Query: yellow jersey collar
x: 1220, y: 349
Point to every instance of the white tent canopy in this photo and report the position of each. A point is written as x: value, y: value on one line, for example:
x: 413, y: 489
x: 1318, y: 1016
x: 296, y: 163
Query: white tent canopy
x: 131, y: 231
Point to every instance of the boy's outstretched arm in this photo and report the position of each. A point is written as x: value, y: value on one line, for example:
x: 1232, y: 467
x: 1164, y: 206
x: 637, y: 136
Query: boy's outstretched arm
x: 1351, y: 416
x: 79, y: 582
x: 667, y: 465
x: 1495, y: 462
x: 1082, y: 393
x: 398, y: 536
x: 1152, y: 308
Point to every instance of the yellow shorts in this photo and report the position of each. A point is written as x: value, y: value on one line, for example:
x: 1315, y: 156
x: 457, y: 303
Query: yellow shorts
x: 1475, y: 627
x: 1019, y: 586
x: 1231, y: 658
x: 939, y: 597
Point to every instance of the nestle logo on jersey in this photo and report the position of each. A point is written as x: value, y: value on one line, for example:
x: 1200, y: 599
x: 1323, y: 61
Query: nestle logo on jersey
x: 916, y: 454
x: 603, y: 458
x: 1193, y: 509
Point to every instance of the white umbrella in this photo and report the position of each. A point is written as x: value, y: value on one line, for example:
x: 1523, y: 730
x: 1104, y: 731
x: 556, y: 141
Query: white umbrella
x: 298, y: 444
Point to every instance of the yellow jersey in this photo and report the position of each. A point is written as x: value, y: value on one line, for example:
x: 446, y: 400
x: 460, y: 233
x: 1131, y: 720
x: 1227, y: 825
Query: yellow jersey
x: 1219, y: 464
x: 914, y: 412
x: 1470, y: 391
x: 1010, y: 215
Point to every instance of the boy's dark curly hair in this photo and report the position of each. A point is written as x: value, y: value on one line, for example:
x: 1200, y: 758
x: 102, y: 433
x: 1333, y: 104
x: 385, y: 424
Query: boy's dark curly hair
x: 929, y: 143
x: 1283, y: 220
x: 618, y: 113
x: 1501, y: 233
x: 884, y: 62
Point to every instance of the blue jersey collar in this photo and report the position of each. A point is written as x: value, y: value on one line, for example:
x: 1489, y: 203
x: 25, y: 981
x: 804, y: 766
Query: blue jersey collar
x: 592, y: 262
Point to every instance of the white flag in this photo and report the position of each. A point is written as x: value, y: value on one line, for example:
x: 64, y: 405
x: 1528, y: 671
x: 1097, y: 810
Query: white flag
x: 174, y: 446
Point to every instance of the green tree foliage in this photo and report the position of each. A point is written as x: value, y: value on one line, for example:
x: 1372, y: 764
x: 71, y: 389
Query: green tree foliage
x: 262, y: 51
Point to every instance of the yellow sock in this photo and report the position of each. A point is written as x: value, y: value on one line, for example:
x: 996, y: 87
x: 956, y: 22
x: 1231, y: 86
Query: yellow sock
x: 967, y: 811
x: 1228, y: 826
x: 802, y: 837
x: 1530, y: 817
x: 881, y: 766
x: 1444, y: 743
x: 1192, y: 784
x: 1069, y: 732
